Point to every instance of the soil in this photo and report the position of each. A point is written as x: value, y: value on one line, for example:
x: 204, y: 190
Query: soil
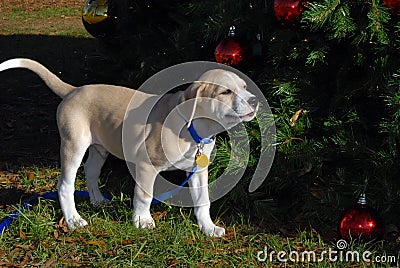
x: 24, y: 17
x: 35, y: 5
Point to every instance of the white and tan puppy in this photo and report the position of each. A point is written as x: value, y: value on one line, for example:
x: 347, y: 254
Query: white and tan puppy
x: 91, y: 118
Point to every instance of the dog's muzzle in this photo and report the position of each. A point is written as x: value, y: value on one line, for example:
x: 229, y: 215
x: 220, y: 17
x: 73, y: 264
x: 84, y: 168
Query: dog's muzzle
x: 253, y: 102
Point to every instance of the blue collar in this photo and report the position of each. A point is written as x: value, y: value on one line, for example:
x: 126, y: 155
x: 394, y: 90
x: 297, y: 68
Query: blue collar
x: 196, y: 136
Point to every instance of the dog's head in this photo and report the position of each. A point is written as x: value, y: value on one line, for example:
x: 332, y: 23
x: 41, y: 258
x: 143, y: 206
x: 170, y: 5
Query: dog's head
x: 223, y: 95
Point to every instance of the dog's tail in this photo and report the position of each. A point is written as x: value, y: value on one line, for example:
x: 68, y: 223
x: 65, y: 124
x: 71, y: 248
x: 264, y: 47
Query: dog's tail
x: 52, y: 81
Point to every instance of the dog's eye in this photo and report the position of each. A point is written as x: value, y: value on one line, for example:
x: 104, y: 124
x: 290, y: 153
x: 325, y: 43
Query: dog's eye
x: 226, y: 92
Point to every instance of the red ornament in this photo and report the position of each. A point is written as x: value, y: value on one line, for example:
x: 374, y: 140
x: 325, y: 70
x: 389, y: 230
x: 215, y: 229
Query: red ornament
x: 393, y: 5
x: 288, y: 11
x: 231, y: 51
x: 360, y: 221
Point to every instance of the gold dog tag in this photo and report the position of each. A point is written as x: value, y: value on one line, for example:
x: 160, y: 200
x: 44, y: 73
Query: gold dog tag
x: 202, y: 160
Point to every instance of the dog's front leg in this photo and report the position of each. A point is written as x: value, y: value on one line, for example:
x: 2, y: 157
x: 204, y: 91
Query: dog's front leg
x: 199, y: 191
x: 145, y: 177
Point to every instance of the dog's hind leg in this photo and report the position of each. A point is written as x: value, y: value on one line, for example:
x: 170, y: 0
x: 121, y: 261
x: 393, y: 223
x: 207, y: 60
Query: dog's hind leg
x: 96, y: 158
x: 72, y: 153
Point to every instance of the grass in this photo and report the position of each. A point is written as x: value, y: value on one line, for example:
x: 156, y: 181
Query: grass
x: 40, y: 238
x: 62, y: 12
x: 47, y: 21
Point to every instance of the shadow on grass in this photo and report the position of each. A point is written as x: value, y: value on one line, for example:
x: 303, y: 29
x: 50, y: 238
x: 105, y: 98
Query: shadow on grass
x: 28, y: 128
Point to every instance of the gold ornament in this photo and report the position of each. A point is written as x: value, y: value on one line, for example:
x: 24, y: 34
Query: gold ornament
x: 95, y: 11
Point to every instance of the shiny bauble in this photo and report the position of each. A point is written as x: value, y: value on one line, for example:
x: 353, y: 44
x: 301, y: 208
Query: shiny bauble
x: 99, y: 18
x: 360, y: 221
x: 288, y: 12
x: 394, y: 5
x: 231, y: 50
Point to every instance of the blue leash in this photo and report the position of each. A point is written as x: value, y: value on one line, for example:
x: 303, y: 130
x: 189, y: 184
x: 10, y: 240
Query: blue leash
x: 6, y: 223
x: 167, y: 195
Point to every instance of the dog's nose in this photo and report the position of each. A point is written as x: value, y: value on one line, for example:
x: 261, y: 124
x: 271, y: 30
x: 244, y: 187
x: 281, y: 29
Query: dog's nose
x: 253, y: 102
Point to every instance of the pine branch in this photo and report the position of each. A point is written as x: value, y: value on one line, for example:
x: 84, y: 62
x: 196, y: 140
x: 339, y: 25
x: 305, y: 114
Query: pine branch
x: 331, y: 15
x: 319, y: 13
x: 317, y: 56
x: 378, y: 18
x: 342, y: 24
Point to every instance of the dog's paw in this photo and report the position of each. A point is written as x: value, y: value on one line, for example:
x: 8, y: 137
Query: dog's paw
x: 145, y: 222
x: 76, y: 222
x: 213, y: 231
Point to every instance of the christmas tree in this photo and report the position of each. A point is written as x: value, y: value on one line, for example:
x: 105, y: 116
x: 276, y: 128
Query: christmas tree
x: 330, y: 71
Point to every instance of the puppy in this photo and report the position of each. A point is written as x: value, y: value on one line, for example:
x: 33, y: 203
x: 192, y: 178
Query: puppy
x: 148, y: 130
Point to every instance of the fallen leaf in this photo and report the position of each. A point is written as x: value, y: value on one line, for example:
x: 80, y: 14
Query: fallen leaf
x: 27, y: 258
x: 76, y: 258
x: 173, y: 263
x: 62, y: 224
x: 8, y: 264
x: 159, y: 215
x: 22, y: 234
x: 126, y: 242
x: 56, y: 235
x: 240, y: 250
x: 189, y: 241
x: 99, y: 243
x: 26, y: 247
x: 100, y: 233
x: 218, y: 251
x: 8, y: 177
x: 46, y: 245
x: 69, y: 239
x: 75, y: 263
x: 31, y: 175
x: 109, y: 252
x: 294, y: 118
x: 50, y: 263
x: 15, y: 250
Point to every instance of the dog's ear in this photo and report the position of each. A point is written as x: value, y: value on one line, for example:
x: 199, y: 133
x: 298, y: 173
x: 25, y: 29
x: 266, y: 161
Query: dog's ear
x: 194, y: 91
